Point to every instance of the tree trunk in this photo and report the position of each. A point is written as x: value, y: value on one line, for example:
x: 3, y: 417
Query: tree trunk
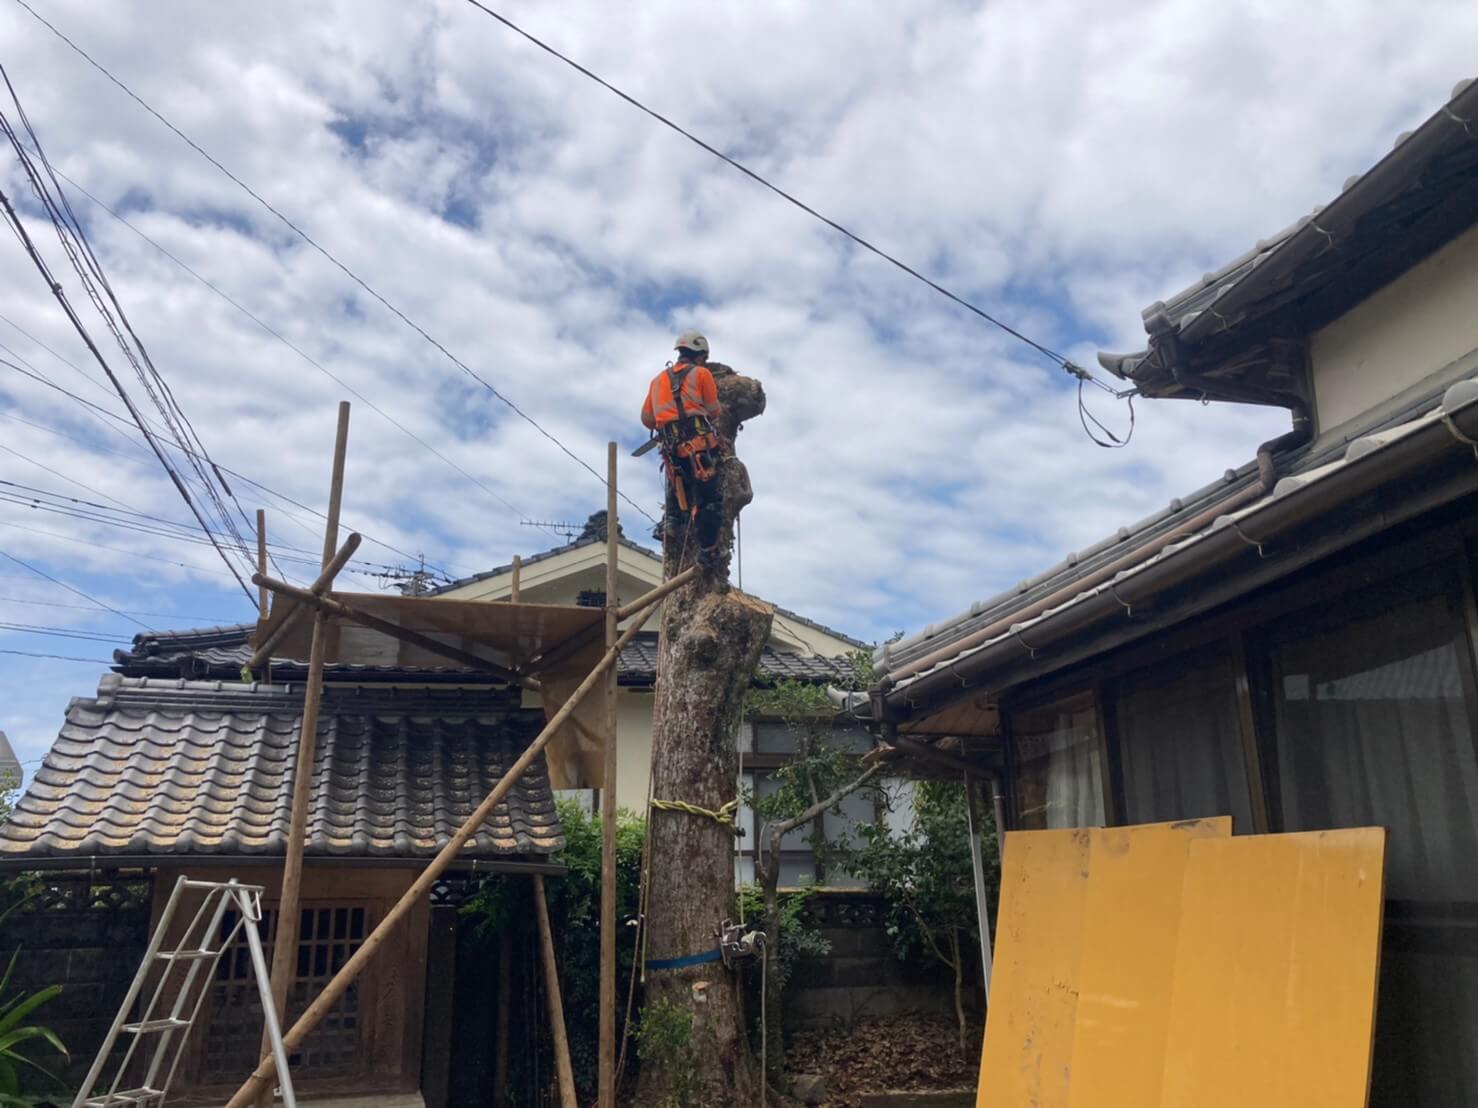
x: 769, y: 878
x: 711, y: 643
x: 959, y: 968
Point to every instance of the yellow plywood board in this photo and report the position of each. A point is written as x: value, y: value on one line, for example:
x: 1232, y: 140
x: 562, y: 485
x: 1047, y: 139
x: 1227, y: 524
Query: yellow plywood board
x: 1027, y: 1057
x: 1275, y: 972
x: 1132, y: 916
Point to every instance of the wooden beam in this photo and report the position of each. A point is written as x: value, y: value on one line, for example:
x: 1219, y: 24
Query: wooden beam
x: 942, y: 758
x: 513, y: 585
x: 504, y: 1020
x: 329, y: 606
x: 261, y: 561
x: 285, y: 943
x: 606, y: 1061
x: 556, y: 1004
x: 324, y: 582
x: 647, y: 599
x: 340, y: 982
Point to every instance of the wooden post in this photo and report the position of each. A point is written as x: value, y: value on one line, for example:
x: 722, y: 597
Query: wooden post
x: 261, y: 561
x: 285, y: 945
x: 556, y: 1005
x: 513, y: 590
x: 505, y: 1013
x: 606, y: 1093
x: 339, y: 984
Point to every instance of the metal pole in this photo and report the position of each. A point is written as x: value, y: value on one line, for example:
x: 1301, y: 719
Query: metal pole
x: 977, y: 863
x: 261, y: 561
x: 556, y: 1004
x: 339, y: 984
x: 606, y: 1093
x: 285, y: 943
x: 251, y: 909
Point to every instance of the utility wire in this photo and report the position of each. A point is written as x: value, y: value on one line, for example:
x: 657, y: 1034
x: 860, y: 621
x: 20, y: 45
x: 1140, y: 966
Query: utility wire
x: 33, y: 374
x: 353, y: 276
x: 299, y: 351
x: 1063, y: 362
x: 72, y: 589
x: 61, y: 297
x: 95, y: 608
x: 64, y: 633
x: 58, y: 658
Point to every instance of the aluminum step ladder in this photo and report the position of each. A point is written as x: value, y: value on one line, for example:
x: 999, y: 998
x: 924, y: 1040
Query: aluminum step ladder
x: 159, y: 1040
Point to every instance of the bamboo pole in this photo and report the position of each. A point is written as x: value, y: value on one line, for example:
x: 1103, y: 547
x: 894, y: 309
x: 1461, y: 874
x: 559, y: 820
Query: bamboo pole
x: 513, y: 589
x: 320, y: 586
x: 261, y: 561
x: 285, y: 944
x: 606, y: 1091
x: 647, y: 599
x: 340, y: 982
x: 556, y: 1004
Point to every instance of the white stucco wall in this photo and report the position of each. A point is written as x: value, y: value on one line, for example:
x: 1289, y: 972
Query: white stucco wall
x: 1412, y: 328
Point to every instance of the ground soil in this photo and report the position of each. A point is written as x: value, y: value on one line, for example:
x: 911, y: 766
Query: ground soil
x: 914, y: 1053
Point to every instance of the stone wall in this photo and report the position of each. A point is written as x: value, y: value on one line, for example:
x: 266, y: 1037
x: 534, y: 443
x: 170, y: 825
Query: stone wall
x: 87, y: 933
x: 862, y: 976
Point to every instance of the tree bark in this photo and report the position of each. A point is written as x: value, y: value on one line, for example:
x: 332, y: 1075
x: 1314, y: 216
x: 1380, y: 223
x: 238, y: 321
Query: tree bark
x: 711, y: 643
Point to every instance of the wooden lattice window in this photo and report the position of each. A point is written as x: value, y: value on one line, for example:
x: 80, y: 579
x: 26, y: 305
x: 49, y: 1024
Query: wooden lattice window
x: 328, y: 934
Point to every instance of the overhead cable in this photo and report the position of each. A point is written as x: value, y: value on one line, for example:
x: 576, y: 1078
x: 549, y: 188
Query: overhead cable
x: 1061, y: 361
x: 351, y: 274
x: 73, y: 589
x: 58, y: 658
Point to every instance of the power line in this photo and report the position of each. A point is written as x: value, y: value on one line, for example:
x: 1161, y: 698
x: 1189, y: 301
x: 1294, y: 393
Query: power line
x: 73, y: 240
x: 292, y: 346
x: 72, y: 589
x: 33, y: 374
x: 64, y: 633
x: 1051, y: 354
x: 58, y: 658
x: 302, y: 234
x: 93, y: 608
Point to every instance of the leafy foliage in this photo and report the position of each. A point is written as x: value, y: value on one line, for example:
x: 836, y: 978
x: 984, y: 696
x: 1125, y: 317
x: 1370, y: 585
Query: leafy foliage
x: 797, y: 941
x: 664, y: 1042
x: 574, y: 914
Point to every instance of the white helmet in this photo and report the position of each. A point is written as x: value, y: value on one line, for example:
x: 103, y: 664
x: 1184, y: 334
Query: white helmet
x: 692, y: 340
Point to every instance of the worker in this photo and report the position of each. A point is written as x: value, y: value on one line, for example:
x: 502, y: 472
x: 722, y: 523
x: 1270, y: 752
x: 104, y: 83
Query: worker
x: 680, y: 408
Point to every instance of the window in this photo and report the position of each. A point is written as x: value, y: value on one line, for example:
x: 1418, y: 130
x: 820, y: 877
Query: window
x: 1180, y: 741
x: 1059, y: 771
x: 1372, y: 727
x: 327, y: 936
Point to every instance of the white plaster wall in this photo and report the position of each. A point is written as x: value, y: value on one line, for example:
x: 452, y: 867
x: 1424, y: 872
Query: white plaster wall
x: 1414, y: 327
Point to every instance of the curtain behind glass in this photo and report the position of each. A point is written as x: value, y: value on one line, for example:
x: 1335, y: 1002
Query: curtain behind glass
x: 1372, y: 729
x: 1059, y: 776
x: 1180, y: 743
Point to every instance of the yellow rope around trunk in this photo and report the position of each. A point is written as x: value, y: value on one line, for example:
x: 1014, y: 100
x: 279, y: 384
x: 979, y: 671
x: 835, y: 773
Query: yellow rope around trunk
x: 725, y: 815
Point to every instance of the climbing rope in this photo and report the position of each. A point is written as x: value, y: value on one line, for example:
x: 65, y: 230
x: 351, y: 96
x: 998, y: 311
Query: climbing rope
x: 725, y: 815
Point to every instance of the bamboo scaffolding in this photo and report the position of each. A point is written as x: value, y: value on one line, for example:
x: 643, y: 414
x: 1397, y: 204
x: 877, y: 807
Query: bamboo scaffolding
x: 285, y: 944
x: 556, y: 1003
x: 324, y: 582
x: 340, y: 982
x: 606, y: 1083
x: 261, y: 561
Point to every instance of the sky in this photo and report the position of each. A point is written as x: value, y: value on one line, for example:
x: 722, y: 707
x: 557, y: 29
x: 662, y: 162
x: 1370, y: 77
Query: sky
x: 1061, y: 165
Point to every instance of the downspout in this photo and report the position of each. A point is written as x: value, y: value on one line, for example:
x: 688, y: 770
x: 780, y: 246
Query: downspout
x: 1266, y: 477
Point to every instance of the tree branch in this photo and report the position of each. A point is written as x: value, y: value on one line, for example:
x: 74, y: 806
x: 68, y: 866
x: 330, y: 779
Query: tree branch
x: 784, y: 827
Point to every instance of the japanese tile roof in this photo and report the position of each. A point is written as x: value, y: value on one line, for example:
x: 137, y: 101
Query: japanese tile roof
x: 220, y: 652
x: 1387, y: 207
x: 173, y: 767
x: 1445, y: 422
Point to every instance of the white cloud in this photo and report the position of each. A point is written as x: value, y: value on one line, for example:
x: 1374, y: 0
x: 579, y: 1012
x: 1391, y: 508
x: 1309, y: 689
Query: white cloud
x: 1063, y: 165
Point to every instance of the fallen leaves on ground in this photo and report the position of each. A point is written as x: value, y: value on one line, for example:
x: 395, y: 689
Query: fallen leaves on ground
x: 911, y: 1053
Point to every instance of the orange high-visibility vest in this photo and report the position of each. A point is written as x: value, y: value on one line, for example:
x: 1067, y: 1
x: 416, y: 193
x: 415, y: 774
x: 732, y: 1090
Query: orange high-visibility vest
x: 695, y: 384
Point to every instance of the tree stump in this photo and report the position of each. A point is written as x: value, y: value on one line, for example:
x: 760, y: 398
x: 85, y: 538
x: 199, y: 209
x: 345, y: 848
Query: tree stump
x: 711, y: 642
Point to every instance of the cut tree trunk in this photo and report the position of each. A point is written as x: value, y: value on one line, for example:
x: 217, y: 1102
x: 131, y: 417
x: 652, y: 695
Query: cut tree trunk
x: 711, y: 643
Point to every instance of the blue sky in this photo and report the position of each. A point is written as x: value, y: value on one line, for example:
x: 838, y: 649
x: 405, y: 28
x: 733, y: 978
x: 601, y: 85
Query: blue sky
x: 1062, y: 165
